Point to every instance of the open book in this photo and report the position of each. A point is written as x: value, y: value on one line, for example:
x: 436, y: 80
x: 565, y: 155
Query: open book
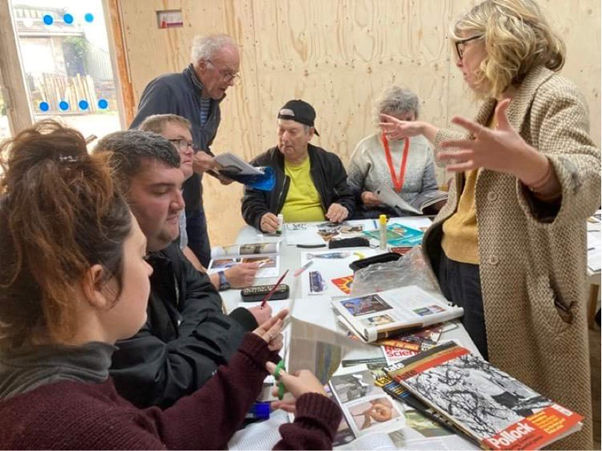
x: 420, y: 205
x: 380, y: 315
x: 233, y: 165
x: 266, y: 254
x: 492, y: 407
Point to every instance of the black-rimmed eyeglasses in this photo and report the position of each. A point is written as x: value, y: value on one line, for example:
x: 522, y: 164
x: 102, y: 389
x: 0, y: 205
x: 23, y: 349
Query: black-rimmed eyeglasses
x: 461, y: 44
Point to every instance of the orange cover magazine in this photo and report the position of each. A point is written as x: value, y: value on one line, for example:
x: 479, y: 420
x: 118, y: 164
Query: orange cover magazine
x: 492, y: 407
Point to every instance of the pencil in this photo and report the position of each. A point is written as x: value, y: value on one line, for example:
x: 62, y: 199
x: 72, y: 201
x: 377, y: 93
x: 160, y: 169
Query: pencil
x: 271, y: 292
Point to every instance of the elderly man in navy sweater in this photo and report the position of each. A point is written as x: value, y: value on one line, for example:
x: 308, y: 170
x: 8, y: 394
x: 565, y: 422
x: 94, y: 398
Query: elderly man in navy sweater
x: 196, y: 94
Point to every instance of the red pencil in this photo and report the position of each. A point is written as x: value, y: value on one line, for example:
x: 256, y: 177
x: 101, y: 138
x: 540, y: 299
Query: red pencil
x: 271, y: 292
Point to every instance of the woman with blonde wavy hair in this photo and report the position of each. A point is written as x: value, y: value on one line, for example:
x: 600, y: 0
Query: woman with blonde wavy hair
x: 509, y: 246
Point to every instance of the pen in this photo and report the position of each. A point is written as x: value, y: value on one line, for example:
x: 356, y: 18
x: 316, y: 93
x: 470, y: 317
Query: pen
x: 303, y: 268
x: 271, y: 292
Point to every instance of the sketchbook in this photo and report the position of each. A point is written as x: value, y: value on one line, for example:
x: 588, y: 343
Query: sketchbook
x: 265, y: 253
x: 490, y: 406
x: 381, y: 315
x: 420, y: 205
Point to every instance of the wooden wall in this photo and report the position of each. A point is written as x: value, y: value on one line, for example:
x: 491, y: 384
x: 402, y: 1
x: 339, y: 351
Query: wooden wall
x: 338, y: 55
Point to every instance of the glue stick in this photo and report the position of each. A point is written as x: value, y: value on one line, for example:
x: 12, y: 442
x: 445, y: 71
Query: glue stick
x: 382, y: 227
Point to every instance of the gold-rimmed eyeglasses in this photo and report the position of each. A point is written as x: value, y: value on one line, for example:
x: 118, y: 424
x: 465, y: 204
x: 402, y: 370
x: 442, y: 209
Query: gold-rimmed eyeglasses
x: 461, y: 44
x: 227, y: 75
x: 183, y: 144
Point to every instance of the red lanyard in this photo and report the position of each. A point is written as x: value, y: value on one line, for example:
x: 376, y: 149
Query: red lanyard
x: 397, y: 183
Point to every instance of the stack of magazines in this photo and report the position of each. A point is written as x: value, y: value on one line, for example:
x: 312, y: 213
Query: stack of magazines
x: 471, y: 396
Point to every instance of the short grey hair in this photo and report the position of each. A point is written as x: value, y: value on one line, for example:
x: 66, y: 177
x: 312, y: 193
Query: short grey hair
x: 204, y: 47
x: 396, y: 100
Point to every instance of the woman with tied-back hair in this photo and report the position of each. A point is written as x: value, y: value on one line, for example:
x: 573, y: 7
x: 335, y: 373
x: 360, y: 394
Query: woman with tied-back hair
x: 510, y: 244
x: 73, y: 281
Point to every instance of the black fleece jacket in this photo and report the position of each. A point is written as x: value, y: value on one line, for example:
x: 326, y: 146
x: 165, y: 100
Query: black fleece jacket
x: 327, y: 173
x: 185, y: 338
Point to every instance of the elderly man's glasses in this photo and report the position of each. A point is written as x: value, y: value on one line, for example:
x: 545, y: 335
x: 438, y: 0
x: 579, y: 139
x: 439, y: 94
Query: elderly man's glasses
x: 183, y: 144
x: 461, y: 44
x: 227, y: 75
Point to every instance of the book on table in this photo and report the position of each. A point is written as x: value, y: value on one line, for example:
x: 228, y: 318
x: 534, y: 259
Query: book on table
x: 377, y: 316
x: 423, y: 204
x: 264, y: 253
x: 487, y: 404
x: 398, y: 235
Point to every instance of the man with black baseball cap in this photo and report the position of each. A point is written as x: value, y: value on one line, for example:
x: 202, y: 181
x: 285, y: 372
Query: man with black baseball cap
x: 311, y: 183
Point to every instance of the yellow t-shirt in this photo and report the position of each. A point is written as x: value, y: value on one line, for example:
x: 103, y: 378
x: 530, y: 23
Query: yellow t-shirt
x: 460, y: 240
x: 302, y: 202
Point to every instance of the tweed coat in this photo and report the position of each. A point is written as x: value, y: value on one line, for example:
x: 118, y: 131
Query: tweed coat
x: 533, y: 256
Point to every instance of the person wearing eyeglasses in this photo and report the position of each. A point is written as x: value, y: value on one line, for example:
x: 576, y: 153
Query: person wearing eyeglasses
x: 177, y: 131
x: 510, y: 244
x: 196, y: 94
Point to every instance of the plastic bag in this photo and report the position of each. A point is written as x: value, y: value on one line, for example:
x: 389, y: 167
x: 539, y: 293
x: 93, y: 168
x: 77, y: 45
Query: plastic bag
x: 411, y: 269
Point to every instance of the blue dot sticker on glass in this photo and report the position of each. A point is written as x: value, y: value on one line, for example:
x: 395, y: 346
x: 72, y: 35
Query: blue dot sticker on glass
x: 48, y: 19
x: 63, y: 105
x: 83, y: 104
x: 44, y: 106
x: 103, y: 104
x: 68, y: 18
x: 89, y: 17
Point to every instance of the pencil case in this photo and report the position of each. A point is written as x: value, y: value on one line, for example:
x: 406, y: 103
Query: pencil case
x: 380, y: 258
x: 349, y: 242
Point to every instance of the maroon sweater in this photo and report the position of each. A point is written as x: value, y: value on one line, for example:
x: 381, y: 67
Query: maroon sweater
x: 77, y: 415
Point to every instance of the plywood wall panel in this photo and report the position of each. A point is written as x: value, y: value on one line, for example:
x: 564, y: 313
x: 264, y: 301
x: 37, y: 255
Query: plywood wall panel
x: 338, y: 55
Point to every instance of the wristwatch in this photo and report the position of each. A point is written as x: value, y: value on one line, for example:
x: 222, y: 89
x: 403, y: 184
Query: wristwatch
x: 223, y: 282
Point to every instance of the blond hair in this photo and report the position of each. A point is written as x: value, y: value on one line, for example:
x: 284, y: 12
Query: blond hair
x: 517, y: 39
x: 157, y: 122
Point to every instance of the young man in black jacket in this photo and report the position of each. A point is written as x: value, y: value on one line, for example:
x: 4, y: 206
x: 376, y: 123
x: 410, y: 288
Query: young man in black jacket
x: 186, y: 335
x: 311, y: 183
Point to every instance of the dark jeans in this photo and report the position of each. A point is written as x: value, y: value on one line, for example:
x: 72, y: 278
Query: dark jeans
x: 198, y: 239
x: 461, y: 284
